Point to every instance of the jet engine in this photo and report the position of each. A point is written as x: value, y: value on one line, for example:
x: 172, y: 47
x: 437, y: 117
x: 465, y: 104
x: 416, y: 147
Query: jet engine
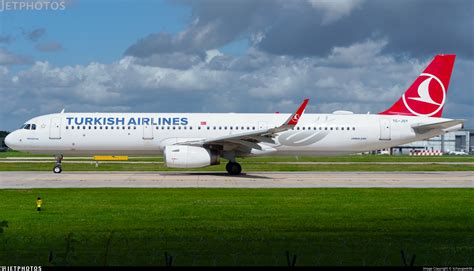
x: 182, y: 156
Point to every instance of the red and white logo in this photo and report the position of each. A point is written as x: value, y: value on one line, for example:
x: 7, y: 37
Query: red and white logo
x: 296, y: 117
x: 428, y: 98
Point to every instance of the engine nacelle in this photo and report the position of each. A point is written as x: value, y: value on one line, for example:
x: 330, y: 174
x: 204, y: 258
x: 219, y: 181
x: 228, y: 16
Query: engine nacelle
x: 182, y: 156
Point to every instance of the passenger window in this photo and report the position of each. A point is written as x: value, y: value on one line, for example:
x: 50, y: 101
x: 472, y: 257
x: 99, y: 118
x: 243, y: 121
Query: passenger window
x: 353, y: 128
x: 90, y: 127
x: 72, y: 127
x: 190, y: 127
x: 67, y: 127
x: 106, y: 127
x: 95, y: 127
x: 78, y: 127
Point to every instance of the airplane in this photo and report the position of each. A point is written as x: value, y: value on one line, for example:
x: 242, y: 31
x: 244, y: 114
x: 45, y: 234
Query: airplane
x: 192, y: 140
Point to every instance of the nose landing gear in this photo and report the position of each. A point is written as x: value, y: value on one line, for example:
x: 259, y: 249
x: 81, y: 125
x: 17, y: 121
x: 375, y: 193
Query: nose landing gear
x: 57, y: 167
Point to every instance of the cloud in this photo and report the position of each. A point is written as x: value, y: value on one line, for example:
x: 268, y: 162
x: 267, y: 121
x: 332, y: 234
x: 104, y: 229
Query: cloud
x: 6, y: 39
x: 213, y: 24
x: 360, y: 53
x: 49, y: 46
x: 254, y: 82
x: 334, y: 10
x: 9, y: 58
x: 420, y: 28
x: 35, y: 34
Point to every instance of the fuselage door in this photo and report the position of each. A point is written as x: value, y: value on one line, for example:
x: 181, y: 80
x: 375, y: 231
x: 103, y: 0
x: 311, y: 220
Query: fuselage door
x: 147, y: 131
x: 55, y: 128
x: 385, y: 129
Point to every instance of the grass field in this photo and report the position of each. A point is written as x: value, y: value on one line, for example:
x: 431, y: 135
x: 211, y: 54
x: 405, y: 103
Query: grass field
x: 238, y: 226
x: 246, y: 167
x: 361, y: 163
x: 344, y: 158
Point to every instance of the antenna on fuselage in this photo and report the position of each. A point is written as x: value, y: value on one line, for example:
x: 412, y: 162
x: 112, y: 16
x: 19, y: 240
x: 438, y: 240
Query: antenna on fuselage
x: 62, y: 111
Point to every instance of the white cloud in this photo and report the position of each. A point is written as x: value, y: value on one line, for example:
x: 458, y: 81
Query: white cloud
x: 335, y: 9
x: 358, y: 78
x: 360, y: 53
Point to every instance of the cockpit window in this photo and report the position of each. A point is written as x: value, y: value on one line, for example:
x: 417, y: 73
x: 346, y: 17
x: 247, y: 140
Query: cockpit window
x: 28, y: 126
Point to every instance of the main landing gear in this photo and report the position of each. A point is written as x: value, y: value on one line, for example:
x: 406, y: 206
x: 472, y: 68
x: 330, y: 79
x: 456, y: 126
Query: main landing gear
x: 233, y: 168
x: 57, y: 167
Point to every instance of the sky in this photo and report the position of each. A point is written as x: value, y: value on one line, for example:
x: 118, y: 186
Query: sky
x: 228, y: 55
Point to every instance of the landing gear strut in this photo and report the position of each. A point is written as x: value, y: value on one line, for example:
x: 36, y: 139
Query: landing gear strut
x: 57, y: 167
x: 233, y: 168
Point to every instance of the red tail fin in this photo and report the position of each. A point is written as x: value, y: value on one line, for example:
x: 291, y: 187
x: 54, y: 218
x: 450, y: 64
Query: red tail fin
x: 427, y: 95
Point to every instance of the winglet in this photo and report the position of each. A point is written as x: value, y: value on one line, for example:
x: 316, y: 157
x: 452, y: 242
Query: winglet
x: 293, y: 119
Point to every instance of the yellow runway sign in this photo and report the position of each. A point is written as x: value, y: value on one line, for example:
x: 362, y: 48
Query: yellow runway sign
x: 111, y: 158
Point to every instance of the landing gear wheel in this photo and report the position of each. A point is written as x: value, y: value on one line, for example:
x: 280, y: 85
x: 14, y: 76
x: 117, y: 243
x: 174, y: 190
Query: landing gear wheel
x: 233, y: 168
x: 57, y: 169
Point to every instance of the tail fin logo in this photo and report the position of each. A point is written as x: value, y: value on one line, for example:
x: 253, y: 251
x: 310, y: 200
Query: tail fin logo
x: 428, y: 98
x: 296, y: 117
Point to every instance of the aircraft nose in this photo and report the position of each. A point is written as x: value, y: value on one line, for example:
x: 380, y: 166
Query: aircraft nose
x: 10, y: 140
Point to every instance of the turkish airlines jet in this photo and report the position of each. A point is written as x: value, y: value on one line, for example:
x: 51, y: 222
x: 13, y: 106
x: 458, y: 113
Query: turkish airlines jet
x: 191, y: 140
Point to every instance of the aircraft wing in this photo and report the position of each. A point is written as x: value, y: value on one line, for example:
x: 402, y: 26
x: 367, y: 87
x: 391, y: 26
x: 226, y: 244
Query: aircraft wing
x: 251, y: 139
x: 422, y: 128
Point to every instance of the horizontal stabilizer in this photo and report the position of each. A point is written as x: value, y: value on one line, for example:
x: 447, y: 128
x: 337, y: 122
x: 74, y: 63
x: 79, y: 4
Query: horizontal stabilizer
x: 436, y: 126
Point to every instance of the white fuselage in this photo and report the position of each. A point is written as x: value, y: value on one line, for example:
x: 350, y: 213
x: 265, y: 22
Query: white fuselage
x: 148, y: 133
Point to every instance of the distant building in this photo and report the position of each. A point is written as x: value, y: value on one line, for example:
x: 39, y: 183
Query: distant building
x: 459, y: 141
